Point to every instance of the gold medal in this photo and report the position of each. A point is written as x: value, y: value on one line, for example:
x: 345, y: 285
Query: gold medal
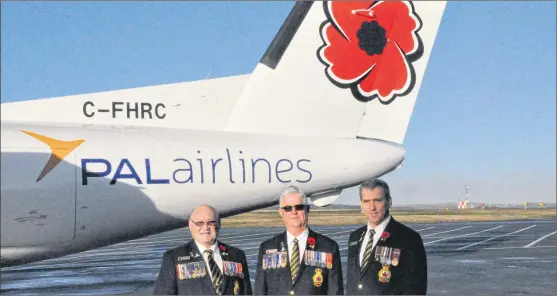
x: 396, y: 256
x: 202, y: 270
x: 283, y: 259
x: 395, y: 262
x: 329, y: 260
x: 318, y: 277
x: 236, y: 288
x: 195, y: 270
x: 384, y: 274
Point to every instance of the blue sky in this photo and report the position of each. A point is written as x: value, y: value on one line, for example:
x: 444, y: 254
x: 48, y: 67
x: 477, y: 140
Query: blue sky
x: 485, y: 115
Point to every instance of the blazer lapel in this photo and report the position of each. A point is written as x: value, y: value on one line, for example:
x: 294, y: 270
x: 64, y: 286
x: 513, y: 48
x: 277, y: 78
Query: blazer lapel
x: 198, y: 256
x: 381, y: 242
x: 387, y: 233
x: 311, y: 235
x: 225, y: 257
x: 360, y: 245
x: 372, y: 261
x: 359, y: 248
x: 284, y: 247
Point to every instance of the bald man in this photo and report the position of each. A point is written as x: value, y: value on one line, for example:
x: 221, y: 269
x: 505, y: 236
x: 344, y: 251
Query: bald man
x: 204, y: 266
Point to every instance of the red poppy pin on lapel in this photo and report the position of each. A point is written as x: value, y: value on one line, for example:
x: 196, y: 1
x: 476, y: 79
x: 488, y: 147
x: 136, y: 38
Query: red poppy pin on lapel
x: 385, y: 235
x: 311, y: 242
x: 222, y: 248
x: 370, y: 46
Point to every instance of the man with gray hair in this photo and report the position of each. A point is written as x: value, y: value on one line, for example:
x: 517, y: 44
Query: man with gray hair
x: 298, y: 260
x: 204, y: 266
x: 384, y: 256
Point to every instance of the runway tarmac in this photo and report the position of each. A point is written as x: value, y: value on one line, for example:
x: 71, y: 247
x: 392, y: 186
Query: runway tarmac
x: 463, y: 258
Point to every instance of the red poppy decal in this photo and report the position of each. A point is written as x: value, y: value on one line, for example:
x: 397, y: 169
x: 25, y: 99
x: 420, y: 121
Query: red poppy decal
x: 385, y: 235
x: 370, y: 47
x: 311, y: 241
x: 222, y: 248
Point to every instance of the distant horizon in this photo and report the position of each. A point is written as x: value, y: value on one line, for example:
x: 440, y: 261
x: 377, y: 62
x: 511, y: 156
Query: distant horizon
x: 447, y: 204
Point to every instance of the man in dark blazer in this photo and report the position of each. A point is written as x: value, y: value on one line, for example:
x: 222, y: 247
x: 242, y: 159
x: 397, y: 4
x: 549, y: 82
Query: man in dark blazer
x: 384, y: 257
x: 298, y: 261
x: 204, y: 266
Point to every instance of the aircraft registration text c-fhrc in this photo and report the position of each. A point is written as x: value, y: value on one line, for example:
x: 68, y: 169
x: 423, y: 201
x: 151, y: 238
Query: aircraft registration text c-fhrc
x: 137, y: 110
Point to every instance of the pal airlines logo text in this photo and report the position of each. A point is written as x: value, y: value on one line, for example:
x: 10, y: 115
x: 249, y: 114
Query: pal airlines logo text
x: 227, y: 166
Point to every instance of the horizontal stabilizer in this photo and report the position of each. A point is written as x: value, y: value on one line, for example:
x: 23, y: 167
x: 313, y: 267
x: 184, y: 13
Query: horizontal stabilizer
x: 203, y: 104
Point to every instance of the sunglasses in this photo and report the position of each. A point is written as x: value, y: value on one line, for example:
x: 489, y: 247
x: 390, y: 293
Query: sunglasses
x: 211, y: 223
x: 297, y: 207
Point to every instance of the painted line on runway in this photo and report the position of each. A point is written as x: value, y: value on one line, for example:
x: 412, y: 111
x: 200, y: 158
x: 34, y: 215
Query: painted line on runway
x: 505, y: 248
x: 492, y: 238
x: 335, y: 233
x: 346, y: 248
x: 539, y: 239
x: 187, y: 237
x: 518, y: 258
x: 184, y: 239
x: 471, y: 261
x: 116, y: 253
x: 145, y: 244
x: 142, y: 246
x: 155, y: 241
x: 448, y: 238
x: 446, y: 231
x: 425, y: 229
x: 175, y: 233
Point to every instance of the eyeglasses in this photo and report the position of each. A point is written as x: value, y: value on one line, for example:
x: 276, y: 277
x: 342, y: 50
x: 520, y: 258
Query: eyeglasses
x: 297, y: 207
x: 211, y: 223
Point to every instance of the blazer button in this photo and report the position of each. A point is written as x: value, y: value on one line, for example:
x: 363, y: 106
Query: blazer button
x: 292, y: 292
x: 360, y: 286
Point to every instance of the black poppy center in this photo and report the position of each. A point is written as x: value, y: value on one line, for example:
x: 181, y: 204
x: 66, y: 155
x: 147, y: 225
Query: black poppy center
x: 372, y: 38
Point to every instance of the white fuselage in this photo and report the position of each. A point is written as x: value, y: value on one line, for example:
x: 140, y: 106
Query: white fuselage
x: 123, y: 182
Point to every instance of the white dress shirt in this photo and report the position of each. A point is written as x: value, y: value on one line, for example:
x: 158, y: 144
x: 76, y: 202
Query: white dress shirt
x: 302, y: 240
x: 378, y: 232
x: 216, y: 256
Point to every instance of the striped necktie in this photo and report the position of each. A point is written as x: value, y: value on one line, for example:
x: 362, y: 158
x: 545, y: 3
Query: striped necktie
x: 215, y: 272
x: 367, y: 253
x: 295, y: 261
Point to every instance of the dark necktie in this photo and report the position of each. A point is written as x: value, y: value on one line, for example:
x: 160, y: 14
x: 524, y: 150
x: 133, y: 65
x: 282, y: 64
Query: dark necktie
x: 295, y: 262
x: 367, y: 252
x: 215, y: 272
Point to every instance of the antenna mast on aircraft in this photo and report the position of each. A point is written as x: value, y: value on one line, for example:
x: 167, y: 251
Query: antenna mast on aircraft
x: 208, y: 73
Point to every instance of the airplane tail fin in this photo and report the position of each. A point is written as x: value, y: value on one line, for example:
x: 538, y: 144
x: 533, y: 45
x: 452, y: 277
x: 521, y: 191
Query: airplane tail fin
x: 341, y: 69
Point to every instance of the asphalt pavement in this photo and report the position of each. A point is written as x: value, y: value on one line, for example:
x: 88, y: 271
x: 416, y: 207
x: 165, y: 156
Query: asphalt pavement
x: 488, y: 258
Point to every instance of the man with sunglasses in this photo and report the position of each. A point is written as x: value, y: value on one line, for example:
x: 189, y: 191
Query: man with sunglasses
x: 204, y: 266
x: 298, y: 261
x: 384, y: 256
